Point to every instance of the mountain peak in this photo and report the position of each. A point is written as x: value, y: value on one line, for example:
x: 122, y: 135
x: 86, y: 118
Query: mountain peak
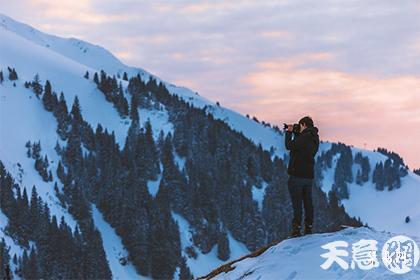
x: 85, y: 53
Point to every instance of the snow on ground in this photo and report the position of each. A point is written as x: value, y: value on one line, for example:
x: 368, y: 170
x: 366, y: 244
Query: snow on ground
x: 299, y: 258
x: 180, y: 161
x: 23, y: 118
x: 114, y: 249
x: 328, y: 175
x: 65, y: 75
x: 153, y: 186
x: 383, y: 210
x: 205, y: 262
x: 374, y: 158
x: 92, y: 56
x: 63, y: 61
x: 159, y: 119
x: 258, y: 194
x: 387, y: 210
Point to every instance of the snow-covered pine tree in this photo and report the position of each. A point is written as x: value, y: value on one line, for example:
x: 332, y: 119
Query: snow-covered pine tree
x: 223, y: 251
x: 36, y: 86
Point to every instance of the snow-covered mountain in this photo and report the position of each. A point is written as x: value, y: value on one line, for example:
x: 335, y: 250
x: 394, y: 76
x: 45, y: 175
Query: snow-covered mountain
x: 64, y: 62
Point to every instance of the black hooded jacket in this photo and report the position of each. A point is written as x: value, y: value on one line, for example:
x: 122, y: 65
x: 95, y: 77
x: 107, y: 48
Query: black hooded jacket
x: 302, y: 152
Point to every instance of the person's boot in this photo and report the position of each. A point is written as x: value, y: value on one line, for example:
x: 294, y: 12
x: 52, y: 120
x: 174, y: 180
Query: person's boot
x: 308, y: 229
x: 295, y: 230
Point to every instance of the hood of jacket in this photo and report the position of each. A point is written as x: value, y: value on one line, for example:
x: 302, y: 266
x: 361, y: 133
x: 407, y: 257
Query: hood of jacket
x: 312, y: 132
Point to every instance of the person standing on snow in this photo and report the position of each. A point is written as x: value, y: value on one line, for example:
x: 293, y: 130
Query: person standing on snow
x: 303, y: 149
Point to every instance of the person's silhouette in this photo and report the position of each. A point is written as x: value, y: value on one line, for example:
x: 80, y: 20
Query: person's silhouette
x: 302, y: 149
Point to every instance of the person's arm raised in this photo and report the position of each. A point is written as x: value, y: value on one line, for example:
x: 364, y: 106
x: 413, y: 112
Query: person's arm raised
x: 294, y: 144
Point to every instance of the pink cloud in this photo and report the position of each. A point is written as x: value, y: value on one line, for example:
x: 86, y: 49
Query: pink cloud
x: 354, y: 108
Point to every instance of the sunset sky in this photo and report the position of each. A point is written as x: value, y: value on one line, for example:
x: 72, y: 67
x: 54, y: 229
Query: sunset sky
x: 354, y: 66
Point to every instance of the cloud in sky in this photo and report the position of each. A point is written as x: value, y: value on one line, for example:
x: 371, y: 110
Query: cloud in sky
x: 354, y: 65
x: 351, y: 108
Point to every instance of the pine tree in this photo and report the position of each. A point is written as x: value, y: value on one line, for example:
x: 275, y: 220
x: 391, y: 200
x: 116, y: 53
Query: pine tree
x: 43, y: 168
x: 184, y: 271
x: 125, y: 77
x: 378, y: 177
x: 334, y: 204
x: 62, y: 116
x: 76, y: 112
x: 86, y: 76
x: 114, y: 90
x: 73, y: 151
x: 152, y: 155
x: 362, y: 173
x: 223, y: 251
x: 36, y: 150
x: 12, y: 74
x: 4, y: 261
x: 134, y: 114
x: 28, y: 146
x: 34, y: 207
x: 95, y: 78
x: 121, y: 102
x: 32, y: 269
x: 1, y: 77
x: 47, y: 98
x: 165, y: 243
x: 104, y: 84
x: 36, y: 86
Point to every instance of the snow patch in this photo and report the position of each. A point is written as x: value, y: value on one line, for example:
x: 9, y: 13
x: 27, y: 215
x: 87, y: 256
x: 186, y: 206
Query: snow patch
x: 259, y: 193
x: 153, y: 186
x: 114, y: 249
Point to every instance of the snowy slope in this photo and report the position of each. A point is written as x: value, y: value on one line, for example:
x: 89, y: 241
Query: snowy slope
x: 89, y: 55
x: 64, y: 74
x: 383, y: 210
x: 299, y: 258
x: 23, y: 119
x: 205, y: 262
x: 98, y: 58
x: 114, y: 249
x: 388, y: 209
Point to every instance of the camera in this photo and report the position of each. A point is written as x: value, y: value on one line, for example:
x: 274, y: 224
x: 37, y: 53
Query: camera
x: 296, y: 128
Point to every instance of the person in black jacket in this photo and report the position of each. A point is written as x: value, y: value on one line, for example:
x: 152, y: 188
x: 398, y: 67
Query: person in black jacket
x: 303, y: 149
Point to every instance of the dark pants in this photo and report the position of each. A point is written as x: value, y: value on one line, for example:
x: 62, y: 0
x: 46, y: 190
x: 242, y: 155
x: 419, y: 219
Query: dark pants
x: 300, y: 190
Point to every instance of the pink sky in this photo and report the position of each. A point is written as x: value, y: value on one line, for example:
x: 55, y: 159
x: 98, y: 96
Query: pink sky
x: 353, y: 66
